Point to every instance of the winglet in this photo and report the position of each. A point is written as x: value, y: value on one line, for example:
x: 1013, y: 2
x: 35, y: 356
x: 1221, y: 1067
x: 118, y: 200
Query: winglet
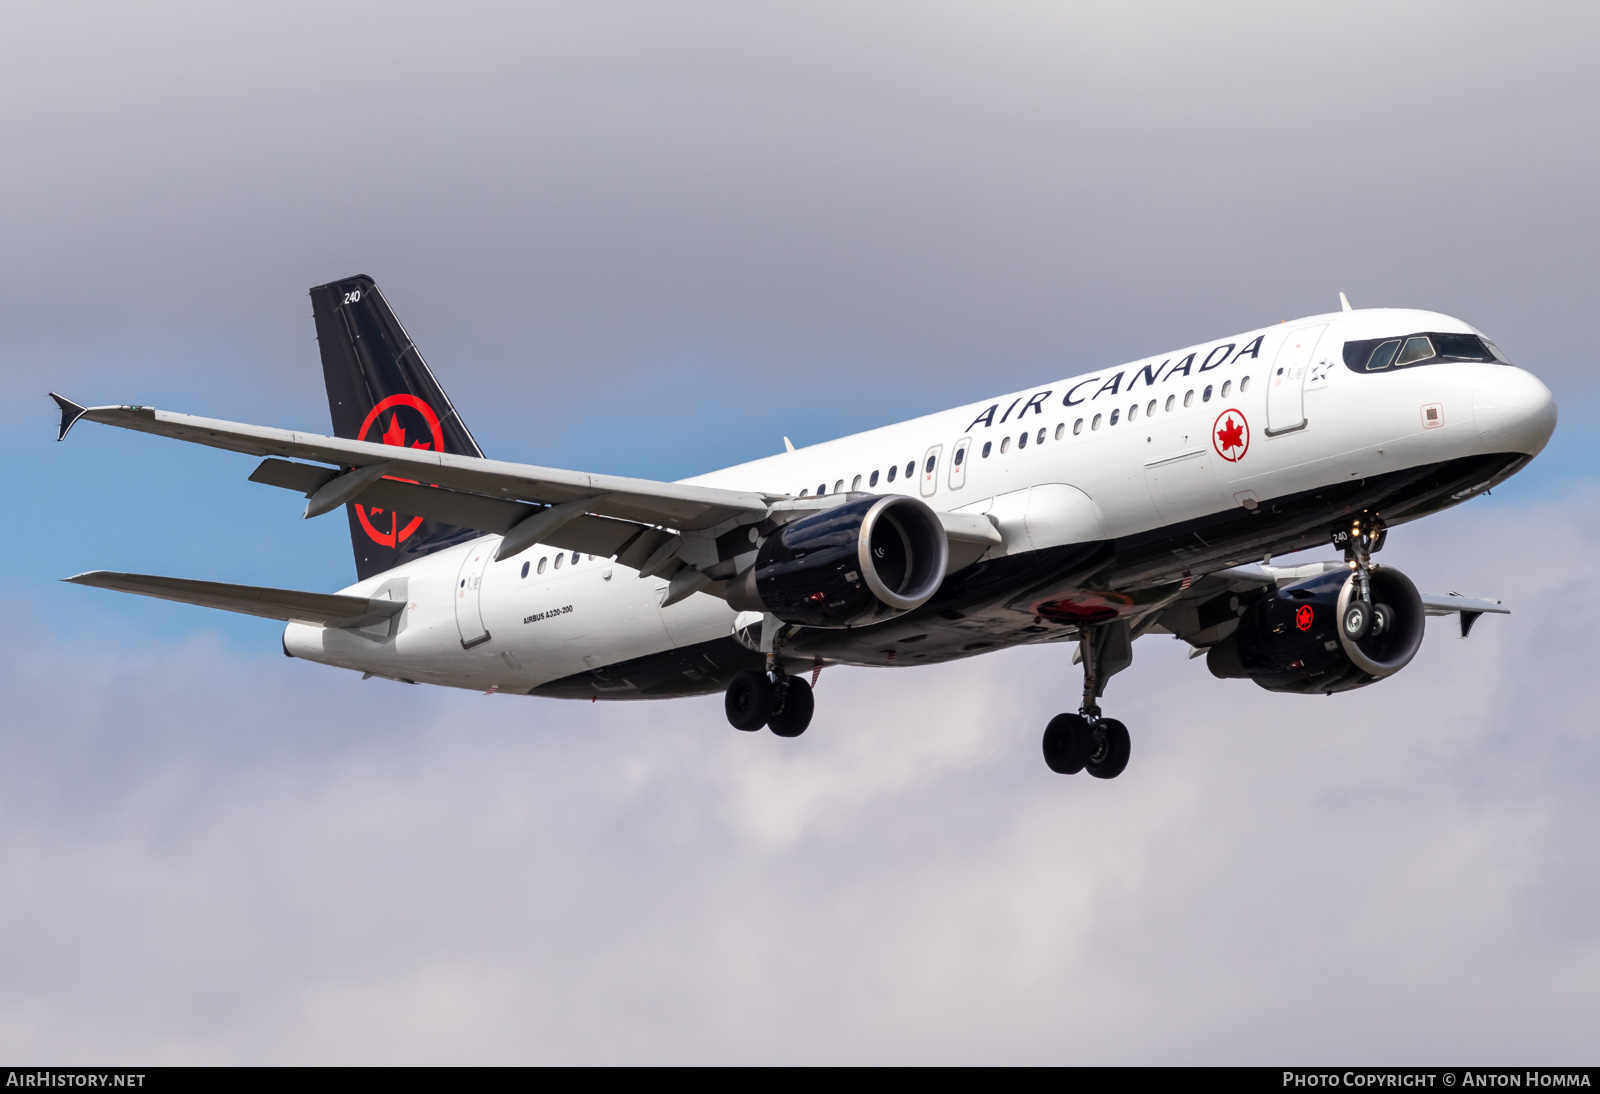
x: 70, y: 413
x: 1344, y: 302
x: 788, y: 445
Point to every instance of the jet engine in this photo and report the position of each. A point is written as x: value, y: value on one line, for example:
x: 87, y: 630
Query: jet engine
x: 1319, y: 636
x: 858, y: 563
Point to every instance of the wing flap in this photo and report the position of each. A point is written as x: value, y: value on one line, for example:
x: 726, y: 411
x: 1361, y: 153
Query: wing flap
x: 327, y: 609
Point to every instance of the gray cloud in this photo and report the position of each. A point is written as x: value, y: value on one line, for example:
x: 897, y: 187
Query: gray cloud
x: 214, y: 857
x: 916, y: 202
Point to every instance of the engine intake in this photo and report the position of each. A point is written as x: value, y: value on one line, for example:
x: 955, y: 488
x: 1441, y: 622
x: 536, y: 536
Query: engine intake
x: 1291, y: 639
x: 858, y: 563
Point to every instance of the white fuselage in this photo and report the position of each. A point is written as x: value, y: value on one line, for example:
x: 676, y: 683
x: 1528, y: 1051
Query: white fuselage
x: 1116, y: 453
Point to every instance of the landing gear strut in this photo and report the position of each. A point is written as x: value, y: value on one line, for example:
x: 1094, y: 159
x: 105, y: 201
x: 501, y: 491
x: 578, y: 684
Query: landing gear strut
x: 1087, y: 741
x: 1363, y: 536
x: 782, y: 703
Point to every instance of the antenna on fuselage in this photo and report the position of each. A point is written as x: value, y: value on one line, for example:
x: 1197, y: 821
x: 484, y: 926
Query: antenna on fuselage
x: 1344, y: 302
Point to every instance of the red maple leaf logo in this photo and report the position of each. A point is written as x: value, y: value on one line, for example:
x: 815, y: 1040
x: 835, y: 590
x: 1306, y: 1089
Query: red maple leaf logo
x: 1231, y: 435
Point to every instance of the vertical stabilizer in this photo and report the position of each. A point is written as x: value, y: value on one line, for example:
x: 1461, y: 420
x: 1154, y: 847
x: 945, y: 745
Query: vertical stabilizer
x: 380, y: 390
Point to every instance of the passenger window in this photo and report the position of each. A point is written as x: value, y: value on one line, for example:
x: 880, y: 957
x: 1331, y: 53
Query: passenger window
x: 1149, y: 411
x: 822, y: 488
x: 1188, y: 397
x: 1416, y: 349
x: 1172, y: 401
x: 1022, y: 441
x: 838, y: 487
x: 986, y: 446
x: 1206, y: 398
x: 892, y: 471
x: 1077, y: 427
x: 1040, y: 438
x: 542, y: 561
x: 874, y: 480
x: 1133, y: 412
x: 1383, y: 356
x: 1061, y: 430
x: 961, y: 455
x: 559, y: 560
x: 1005, y: 445
x: 1096, y: 423
x: 931, y: 464
x: 805, y: 491
x: 911, y: 468
x: 1227, y: 386
x: 855, y: 483
x: 1115, y: 414
x: 1244, y: 385
x: 525, y: 566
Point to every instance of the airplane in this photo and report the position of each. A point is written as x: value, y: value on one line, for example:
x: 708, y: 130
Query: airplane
x: 1136, y: 499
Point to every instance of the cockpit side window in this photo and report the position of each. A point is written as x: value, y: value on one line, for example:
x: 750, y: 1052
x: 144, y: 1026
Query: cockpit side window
x: 1428, y: 348
x: 1417, y: 348
x: 1383, y: 356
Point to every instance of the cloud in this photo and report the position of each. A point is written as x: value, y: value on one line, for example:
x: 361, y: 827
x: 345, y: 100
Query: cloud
x: 214, y: 857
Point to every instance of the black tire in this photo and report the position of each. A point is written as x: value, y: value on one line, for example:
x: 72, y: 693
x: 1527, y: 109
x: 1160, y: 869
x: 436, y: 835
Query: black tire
x: 1357, y: 620
x: 1066, y: 744
x: 749, y: 700
x: 1382, y: 620
x: 792, y: 718
x: 1111, y: 748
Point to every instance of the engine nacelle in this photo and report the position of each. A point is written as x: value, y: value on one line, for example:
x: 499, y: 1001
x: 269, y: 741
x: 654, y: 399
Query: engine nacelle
x: 1292, y: 639
x: 861, y: 562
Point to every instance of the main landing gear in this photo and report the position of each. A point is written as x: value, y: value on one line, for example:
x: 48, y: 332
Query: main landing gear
x: 782, y: 703
x: 1086, y: 741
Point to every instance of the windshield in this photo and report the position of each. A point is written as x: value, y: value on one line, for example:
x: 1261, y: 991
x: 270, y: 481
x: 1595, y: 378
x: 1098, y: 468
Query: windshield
x: 1427, y: 348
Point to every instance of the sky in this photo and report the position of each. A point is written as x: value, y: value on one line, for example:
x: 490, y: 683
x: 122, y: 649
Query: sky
x: 653, y: 239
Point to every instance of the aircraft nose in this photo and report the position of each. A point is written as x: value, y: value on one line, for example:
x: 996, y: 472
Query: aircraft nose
x: 1514, y: 412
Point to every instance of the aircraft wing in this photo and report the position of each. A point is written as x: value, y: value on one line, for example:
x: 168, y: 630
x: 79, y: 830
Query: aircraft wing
x: 328, y: 609
x: 675, y: 505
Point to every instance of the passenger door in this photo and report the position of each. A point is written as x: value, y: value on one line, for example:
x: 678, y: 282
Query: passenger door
x: 1286, y: 385
x: 469, y: 585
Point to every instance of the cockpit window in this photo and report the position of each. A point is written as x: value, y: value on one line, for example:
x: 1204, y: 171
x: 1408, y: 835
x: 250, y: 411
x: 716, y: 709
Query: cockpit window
x: 1463, y: 347
x: 1430, y: 348
x: 1383, y: 356
x: 1417, y: 348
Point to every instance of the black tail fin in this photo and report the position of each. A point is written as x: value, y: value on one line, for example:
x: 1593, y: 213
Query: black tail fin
x: 379, y: 389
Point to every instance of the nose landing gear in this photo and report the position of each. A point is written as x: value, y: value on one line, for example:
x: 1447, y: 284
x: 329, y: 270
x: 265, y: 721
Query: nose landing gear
x: 1087, y: 741
x: 782, y: 703
x: 1360, y: 539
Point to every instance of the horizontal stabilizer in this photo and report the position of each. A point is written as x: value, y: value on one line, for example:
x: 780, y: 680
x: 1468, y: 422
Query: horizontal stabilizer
x: 327, y: 609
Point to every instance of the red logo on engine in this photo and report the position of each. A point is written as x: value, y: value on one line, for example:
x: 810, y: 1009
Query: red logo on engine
x: 1230, y: 435
x: 397, y: 420
x: 1302, y: 617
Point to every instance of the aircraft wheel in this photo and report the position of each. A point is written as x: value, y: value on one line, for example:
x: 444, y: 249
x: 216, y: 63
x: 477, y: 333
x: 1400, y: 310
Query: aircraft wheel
x: 1111, y: 748
x: 794, y: 715
x: 749, y: 700
x: 1357, y: 620
x: 1382, y: 619
x: 1067, y: 743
